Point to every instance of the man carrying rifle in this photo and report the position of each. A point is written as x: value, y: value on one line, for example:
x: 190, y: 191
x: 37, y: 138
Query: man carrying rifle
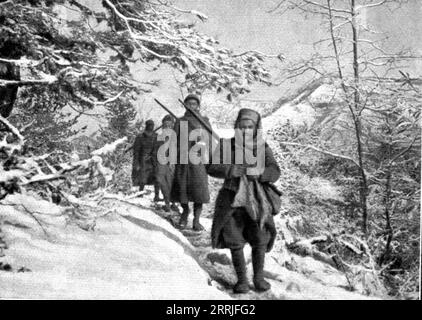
x: 191, y: 180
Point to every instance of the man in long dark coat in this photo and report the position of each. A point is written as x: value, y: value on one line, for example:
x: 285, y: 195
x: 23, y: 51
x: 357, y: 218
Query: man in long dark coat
x: 144, y: 159
x: 190, y: 180
x: 233, y: 225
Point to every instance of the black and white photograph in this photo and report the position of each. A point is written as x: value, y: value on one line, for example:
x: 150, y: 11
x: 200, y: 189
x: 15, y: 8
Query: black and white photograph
x: 223, y: 151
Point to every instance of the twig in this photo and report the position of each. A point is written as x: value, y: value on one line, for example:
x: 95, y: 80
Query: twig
x: 31, y: 214
x: 12, y: 129
x: 321, y: 151
x: 100, y: 103
x: 278, y: 56
x: 48, y: 81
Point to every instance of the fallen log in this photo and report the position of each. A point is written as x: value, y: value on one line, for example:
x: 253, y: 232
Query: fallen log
x: 306, y: 248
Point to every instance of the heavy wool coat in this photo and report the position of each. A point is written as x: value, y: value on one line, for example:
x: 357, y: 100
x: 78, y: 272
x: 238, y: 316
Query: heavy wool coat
x: 190, y: 180
x: 223, y: 207
x: 144, y: 159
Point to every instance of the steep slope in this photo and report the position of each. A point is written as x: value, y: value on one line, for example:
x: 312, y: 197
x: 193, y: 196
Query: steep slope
x: 291, y: 276
x: 131, y: 251
x: 135, y: 253
x: 131, y: 254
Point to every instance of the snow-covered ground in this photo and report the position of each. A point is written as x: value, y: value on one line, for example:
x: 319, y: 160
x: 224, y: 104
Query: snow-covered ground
x: 131, y: 254
x: 134, y: 252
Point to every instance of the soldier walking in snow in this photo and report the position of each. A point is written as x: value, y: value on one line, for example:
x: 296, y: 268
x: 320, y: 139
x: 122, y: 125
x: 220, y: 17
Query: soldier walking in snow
x: 144, y: 159
x: 246, y: 203
x: 191, y: 179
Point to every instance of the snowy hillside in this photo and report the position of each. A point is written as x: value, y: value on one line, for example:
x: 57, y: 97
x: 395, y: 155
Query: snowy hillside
x: 135, y: 253
x: 131, y: 254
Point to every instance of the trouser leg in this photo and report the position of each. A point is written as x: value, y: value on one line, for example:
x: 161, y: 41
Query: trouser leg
x: 141, y: 187
x: 156, y: 192
x: 239, y: 265
x: 157, y: 187
x: 173, y: 206
x: 184, y: 217
x: 197, y: 210
x: 258, y: 261
x: 166, y: 205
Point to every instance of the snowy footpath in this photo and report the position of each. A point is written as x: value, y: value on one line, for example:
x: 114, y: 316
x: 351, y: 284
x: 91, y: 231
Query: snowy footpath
x: 133, y: 251
x: 131, y: 254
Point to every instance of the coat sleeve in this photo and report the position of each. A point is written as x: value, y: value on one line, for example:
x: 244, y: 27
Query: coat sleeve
x: 207, y: 121
x: 176, y: 129
x: 210, y: 139
x: 137, y: 150
x: 221, y: 171
x: 154, y: 151
x: 272, y: 170
x: 218, y: 170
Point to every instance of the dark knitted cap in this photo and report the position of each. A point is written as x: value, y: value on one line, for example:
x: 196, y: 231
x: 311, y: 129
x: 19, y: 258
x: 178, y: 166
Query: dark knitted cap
x: 248, y: 114
x: 192, y: 96
x: 167, y: 118
x: 149, y: 123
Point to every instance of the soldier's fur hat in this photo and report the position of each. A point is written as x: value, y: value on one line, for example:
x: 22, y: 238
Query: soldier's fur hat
x: 149, y: 123
x: 192, y: 96
x: 167, y: 118
x: 248, y: 114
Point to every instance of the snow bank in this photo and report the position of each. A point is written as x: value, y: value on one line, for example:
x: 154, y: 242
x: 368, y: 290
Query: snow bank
x: 298, y: 115
x: 132, y: 254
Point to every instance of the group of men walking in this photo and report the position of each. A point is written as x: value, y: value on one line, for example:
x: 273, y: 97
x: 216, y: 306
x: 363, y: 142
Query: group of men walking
x: 146, y: 169
x: 179, y: 183
x: 247, y: 201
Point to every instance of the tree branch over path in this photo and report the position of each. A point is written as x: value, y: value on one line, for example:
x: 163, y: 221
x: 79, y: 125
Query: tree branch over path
x: 321, y: 151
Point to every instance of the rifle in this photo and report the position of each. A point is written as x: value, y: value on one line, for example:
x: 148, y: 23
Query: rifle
x: 165, y: 108
x: 203, y: 123
x: 215, y: 135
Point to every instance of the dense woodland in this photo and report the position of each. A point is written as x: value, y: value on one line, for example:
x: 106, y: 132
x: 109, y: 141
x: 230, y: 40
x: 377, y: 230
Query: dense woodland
x: 350, y: 181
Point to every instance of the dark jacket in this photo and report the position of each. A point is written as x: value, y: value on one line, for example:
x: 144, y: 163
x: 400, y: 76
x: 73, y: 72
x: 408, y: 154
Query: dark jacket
x: 144, y: 159
x: 190, y: 180
x: 223, y: 208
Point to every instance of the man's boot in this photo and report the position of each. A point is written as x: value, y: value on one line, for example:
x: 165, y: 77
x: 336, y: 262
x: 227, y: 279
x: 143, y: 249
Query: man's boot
x: 166, y: 207
x: 184, y: 217
x: 239, y: 264
x: 174, y: 207
x: 258, y: 260
x: 157, y: 193
x: 141, y: 188
x: 197, y: 209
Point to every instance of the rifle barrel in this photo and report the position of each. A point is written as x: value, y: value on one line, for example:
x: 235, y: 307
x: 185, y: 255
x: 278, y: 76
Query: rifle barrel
x: 156, y: 129
x: 204, y: 124
x: 165, y: 108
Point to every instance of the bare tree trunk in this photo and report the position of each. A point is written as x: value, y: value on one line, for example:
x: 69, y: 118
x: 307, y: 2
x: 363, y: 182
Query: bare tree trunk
x: 357, y: 121
x: 355, y: 106
x: 387, y: 200
x: 387, y: 213
x: 8, y: 93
